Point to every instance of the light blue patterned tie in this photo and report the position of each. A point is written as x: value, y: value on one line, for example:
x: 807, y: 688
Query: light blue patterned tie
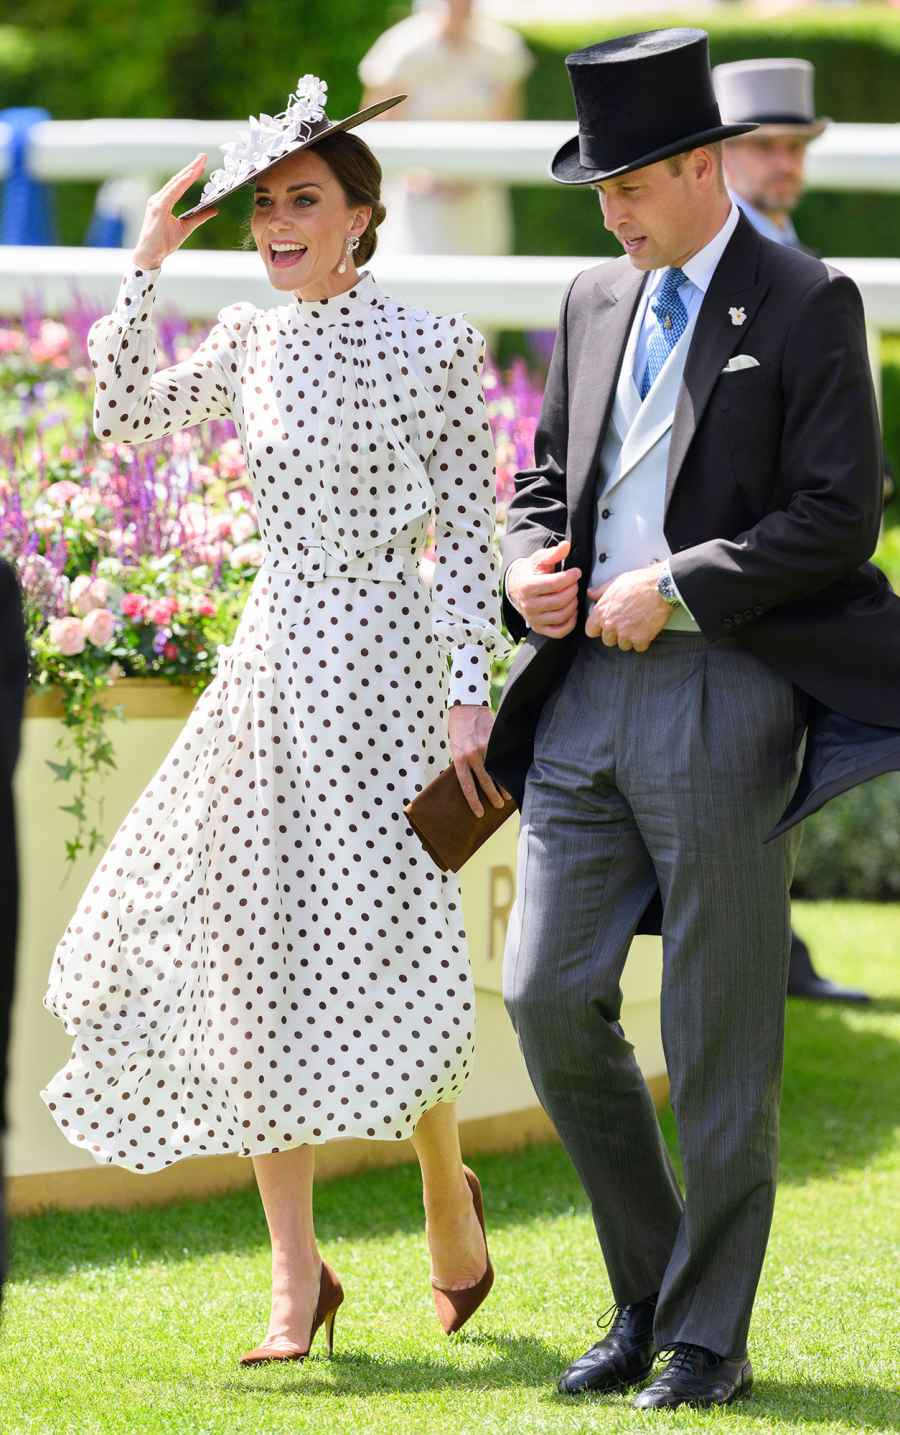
x: 671, y: 322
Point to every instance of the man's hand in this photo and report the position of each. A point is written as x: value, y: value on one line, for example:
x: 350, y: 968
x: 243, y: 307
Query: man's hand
x: 548, y: 601
x: 629, y: 611
x: 469, y: 730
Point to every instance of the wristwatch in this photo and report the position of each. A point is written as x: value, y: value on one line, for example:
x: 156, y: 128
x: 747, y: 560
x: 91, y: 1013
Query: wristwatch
x: 666, y: 589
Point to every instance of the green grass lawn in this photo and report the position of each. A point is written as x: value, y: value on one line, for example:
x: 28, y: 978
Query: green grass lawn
x: 132, y: 1322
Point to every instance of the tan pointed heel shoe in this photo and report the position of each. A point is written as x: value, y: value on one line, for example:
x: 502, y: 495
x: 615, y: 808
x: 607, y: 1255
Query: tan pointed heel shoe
x: 331, y: 1295
x: 455, y: 1307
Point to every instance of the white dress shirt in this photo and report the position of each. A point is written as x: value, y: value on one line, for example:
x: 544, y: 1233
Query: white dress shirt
x: 699, y: 271
x: 780, y: 233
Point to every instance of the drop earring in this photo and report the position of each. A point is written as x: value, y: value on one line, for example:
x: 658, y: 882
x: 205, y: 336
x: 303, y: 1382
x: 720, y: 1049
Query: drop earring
x: 351, y: 248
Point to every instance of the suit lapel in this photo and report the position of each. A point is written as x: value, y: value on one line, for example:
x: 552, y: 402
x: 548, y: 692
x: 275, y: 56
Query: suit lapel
x: 613, y: 306
x: 737, y: 284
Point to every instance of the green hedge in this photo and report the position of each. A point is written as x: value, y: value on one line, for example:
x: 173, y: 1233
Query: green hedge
x: 852, y: 847
x: 856, y: 52
x: 890, y: 390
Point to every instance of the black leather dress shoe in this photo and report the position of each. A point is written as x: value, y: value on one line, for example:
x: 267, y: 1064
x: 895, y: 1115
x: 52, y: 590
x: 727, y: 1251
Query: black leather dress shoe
x: 696, y: 1376
x: 624, y: 1357
x: 805, y: 981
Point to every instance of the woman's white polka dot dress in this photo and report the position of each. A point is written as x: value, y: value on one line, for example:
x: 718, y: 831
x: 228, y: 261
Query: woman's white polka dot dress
x: 265, y: 956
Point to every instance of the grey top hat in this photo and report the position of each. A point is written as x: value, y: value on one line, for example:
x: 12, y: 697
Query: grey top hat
x: 775, y: 93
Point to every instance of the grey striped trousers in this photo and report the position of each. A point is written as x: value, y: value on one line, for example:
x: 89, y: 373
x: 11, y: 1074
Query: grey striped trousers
x: 669, y: 766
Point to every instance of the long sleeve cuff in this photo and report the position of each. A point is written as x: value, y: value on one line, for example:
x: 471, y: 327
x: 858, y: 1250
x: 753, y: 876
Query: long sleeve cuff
x: 506, y: 579
x: 470, y: 677
x: 136, y: 294
x: 668, y: 568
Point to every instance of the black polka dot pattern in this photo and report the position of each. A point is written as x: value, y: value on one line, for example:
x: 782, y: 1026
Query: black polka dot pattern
x: 265, y: 956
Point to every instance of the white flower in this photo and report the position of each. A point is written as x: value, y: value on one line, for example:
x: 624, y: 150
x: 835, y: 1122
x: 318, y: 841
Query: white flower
x: 268, y: 137
x: 311, y: 91
x: 737, y: 316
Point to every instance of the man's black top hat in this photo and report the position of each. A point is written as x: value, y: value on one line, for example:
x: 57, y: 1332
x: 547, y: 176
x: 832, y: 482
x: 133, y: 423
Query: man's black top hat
x: 639, y: 99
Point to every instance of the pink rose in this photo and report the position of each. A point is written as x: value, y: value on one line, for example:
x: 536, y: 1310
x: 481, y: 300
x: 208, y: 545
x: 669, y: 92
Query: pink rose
x: 162, y: 611
x: 249, y: 555
x: 134, y: 605
x: 67, y: 636
x: 99, y: 626
x: 63, y: 492
x: 243, y: 527
x: 53, y: 344
x: 206, y: 608
x: 231, y: 458
x: 210, y: 553
x: 88, y: 593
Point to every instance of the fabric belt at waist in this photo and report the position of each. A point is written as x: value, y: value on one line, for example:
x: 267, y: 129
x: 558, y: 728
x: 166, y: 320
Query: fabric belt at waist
x: 315, y: 562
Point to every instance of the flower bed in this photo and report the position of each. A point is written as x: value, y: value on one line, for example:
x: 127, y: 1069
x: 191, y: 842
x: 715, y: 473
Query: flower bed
x: 136, y: 562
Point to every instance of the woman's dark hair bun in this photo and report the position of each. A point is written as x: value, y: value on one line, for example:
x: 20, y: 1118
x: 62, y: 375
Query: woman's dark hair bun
x: 358, y: 172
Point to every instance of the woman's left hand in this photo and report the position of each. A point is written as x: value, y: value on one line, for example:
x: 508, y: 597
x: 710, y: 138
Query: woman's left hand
x: 470, y: 728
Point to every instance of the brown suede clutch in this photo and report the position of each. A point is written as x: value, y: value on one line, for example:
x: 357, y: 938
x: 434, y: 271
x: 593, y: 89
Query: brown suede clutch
x: 446, y: 825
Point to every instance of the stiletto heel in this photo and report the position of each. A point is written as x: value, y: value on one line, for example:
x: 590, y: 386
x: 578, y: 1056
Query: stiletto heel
x: 455, y: 1307
x: 331, y: 1296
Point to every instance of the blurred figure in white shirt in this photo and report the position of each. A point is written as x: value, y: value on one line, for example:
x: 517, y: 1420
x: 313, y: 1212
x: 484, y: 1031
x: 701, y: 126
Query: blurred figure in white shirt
x: 454, y: 64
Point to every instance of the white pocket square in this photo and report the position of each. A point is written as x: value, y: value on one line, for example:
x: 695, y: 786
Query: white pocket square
x: 740, y: 361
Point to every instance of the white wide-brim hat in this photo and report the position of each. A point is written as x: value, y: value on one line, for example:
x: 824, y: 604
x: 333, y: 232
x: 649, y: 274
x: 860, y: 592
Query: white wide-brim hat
x: 777, y: 95
x: 271, y: 138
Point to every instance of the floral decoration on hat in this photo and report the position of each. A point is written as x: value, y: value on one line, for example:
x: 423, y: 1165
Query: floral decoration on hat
x: 269, y: 138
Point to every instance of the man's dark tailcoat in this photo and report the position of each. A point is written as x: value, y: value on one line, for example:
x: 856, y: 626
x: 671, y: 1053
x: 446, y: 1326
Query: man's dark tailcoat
x: 774, y: 495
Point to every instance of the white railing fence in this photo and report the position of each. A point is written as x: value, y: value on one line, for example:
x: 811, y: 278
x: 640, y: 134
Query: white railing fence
x: 495, y: 291
x: 500, y: 291
x: 847, y: 157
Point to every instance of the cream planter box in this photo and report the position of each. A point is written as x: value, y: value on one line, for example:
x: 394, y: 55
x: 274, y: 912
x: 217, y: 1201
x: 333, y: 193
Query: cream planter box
x: 499, y: 1106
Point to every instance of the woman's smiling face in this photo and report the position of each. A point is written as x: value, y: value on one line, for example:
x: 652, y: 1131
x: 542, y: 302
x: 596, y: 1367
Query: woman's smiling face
x: 301, y: 223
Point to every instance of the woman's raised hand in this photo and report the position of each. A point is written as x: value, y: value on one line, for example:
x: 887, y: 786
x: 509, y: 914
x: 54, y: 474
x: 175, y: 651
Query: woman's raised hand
x: 162, y: 232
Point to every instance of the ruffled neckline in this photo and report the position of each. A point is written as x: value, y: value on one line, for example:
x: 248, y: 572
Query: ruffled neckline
x: 352, y: 307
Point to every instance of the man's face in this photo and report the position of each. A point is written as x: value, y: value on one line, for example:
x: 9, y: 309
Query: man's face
x: 767, y: 170
x: 653, y: 212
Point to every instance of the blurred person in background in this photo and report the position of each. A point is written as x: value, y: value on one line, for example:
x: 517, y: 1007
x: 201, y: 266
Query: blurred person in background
x: 765, y: 172
x: 453, y: 64
x: 13, y: 674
